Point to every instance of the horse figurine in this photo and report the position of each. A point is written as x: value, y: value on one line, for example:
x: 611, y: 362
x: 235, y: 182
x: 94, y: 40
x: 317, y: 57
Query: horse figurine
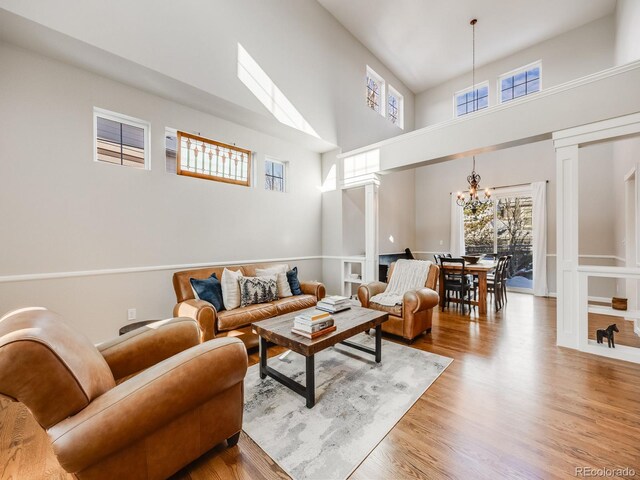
x: 608, y: 334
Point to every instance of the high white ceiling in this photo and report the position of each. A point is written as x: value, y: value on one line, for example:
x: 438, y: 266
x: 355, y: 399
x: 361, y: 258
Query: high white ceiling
x: 426, y: 42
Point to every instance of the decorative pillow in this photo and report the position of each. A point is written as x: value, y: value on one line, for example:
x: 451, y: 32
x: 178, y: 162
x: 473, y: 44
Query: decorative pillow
x: 294, y: 283
x: 258, y: 290
x: 231, y: 288
x: 284, y: 290
x: 208, y: 290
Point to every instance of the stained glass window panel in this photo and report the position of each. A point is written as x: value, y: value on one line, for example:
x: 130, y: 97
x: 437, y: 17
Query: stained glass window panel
x: 203, y: 158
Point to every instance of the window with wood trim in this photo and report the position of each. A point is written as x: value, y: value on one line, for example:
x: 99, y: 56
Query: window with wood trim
x: 120, y: 139
x: 203, y: 158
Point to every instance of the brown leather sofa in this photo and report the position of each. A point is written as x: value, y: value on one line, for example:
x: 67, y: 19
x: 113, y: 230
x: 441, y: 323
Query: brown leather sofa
x: 413, y: 317
x: 236, y: 322
x: 176, y: 398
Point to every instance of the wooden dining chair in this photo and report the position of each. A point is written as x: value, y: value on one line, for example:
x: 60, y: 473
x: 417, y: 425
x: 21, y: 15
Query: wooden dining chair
x: 496, y: 283
x: 458, y: 283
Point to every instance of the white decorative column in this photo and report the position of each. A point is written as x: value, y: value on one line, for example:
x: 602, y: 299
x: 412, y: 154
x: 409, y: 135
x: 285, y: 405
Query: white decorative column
x: 567, y: 245
x: 371, y: 230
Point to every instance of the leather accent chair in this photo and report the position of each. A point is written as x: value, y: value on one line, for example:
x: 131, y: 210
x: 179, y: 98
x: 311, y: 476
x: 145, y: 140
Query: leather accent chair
x: 236, y: 322
x: 176, y: 398
x: 413, y: 317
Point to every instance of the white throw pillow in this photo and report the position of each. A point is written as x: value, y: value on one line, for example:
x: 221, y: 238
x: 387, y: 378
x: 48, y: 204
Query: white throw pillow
x: 230, y: 288
x: 284, y: 290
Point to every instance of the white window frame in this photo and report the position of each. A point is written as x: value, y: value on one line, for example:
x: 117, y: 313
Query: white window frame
x: 511, y: 73
x: 285, y: 173
x: 477, y: 86
x: 127, y: 120
x: 383, y: 91
x: 393, y: 92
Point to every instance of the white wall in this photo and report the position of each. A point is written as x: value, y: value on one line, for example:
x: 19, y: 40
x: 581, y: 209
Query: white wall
x: 397, y: 199
x: 307, y: 53
x: 627, y: 19
x: 524, y: 164
x: 62, y: 212
x: 576, y: 53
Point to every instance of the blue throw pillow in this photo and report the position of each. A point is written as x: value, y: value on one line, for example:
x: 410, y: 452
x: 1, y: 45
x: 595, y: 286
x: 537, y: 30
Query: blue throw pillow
x: 209, y: 290
x: 294, y: 283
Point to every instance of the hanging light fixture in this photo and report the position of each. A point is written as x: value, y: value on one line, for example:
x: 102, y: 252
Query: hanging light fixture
x: 473, y: 201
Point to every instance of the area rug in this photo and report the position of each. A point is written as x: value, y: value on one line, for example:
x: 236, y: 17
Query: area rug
x: 357, y: 403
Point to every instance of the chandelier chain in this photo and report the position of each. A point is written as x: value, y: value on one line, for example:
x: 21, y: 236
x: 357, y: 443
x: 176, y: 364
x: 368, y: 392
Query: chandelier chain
x: 474, y: 201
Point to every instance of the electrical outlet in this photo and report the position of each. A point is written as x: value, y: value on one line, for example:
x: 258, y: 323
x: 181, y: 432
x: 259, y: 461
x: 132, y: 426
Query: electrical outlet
x: 131, y: 314
x: 441, y: 242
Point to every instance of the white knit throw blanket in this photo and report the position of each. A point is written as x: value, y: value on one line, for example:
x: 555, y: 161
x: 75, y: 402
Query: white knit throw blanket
x: 407, y: 275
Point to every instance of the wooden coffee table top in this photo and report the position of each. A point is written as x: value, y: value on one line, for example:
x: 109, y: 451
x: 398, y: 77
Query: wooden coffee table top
x: 348, y: 323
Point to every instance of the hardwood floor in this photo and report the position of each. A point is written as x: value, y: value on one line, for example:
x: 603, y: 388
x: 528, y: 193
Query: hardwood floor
x: 512, y: 405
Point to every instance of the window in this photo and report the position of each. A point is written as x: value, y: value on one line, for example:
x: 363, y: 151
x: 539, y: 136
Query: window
x: 362, y: 167
x: 274, y: 175
x: 120, y: 140
x: 395, y: 107
x: 469, y: 100
x: 375, y: 91
x: 171, y: 149
x: 521, y: 82
x: 504, y: 226
x: 203, y: 158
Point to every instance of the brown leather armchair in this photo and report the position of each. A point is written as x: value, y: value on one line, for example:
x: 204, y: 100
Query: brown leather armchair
x: 176, y: 398
x: 413, y: 317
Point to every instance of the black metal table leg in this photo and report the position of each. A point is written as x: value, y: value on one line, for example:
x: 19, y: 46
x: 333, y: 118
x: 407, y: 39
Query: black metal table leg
x: 311, y: 382
x: 379, y: 343
x: 263, y: 357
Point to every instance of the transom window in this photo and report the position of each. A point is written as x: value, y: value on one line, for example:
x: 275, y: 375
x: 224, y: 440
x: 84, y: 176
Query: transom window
x: 120, y: 139
x: 395, y: 107
x: 274, y: 175
x: 375, y: 91
x: 521, y: 82
x: 361, y: 167
x: 203, y: 158
x: 470, y: 100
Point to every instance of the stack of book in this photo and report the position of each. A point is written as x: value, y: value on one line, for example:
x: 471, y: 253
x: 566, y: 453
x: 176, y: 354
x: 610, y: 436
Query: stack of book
x: 334, y: 303
x: 313, y: 324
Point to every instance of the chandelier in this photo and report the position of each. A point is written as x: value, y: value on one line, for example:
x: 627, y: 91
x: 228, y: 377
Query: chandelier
x: 473, y: 201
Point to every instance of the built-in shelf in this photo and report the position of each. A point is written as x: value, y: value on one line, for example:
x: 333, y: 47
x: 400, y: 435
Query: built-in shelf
x: 352, y: 266
x: 628, y: 314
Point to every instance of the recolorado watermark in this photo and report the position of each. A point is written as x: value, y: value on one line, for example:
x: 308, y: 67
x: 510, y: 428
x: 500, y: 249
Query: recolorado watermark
x: 606, y: 472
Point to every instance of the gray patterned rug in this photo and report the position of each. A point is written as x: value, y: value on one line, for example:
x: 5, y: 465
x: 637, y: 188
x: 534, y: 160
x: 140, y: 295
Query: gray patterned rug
x: 357, y: 403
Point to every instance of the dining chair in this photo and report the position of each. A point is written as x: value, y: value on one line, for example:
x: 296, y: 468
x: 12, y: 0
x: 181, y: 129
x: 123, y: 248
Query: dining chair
x: 458, y: 282
x: 496, y: 283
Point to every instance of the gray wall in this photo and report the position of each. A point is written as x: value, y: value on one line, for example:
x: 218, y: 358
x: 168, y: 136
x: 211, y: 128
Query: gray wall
x: 627, y: 32
x: 317, y: 64
x: 579, y: 52
x: 63, y: 212
x: 526, y: 164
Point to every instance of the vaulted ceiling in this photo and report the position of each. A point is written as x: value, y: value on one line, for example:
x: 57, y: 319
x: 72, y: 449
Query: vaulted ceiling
x: 426, y: 42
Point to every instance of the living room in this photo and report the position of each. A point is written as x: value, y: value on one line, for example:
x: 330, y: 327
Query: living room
x: 342, y: 143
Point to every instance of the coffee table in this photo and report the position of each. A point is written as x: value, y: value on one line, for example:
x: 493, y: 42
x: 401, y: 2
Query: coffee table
x: 348, y: 323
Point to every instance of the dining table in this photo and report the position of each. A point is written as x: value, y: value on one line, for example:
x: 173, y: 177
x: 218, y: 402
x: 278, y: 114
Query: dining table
x: 480, y: 269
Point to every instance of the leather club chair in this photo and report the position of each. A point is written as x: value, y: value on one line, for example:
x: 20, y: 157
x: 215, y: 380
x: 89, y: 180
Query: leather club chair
x: 413, y: 317
x: 139, y: 407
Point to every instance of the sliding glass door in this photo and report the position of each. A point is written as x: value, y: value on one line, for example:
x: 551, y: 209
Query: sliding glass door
x: 504, y: 227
